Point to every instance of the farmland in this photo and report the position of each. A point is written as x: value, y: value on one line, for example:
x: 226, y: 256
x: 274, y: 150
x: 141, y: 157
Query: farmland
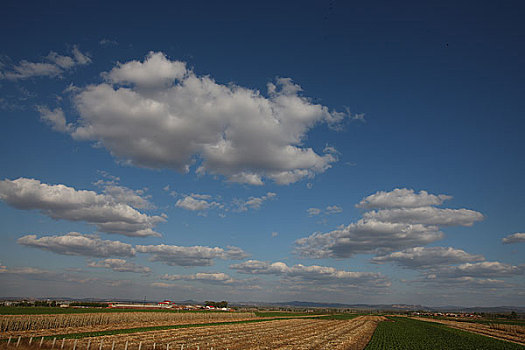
x: 293, y: 333
x: 405, y: 333
x: 504, y: 331
x: 42, y: 325
x: 212, y: 330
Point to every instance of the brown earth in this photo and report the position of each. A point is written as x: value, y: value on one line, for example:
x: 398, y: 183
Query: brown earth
x: 297, y: 334
x: 43, y: 325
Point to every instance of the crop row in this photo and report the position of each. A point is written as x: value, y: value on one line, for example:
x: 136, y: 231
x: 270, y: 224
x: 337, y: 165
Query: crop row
x: 297, y: 334
x: 408, y: 334
x: 39, y: 322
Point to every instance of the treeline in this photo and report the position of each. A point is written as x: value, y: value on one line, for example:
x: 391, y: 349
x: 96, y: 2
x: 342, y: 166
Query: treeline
x: 87, y: 304
x: 45, y: 303
x: 217, y: 304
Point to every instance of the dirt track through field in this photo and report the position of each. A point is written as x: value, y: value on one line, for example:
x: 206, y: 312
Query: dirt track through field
x: 512, y: 333
x: 297, y: 334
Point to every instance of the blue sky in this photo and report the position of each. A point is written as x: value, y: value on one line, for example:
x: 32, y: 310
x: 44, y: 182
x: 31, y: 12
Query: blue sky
x: 324, y: 150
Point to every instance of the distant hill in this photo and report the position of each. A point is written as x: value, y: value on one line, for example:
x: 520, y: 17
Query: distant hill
x: 308, y: 304
x: 390, y: 307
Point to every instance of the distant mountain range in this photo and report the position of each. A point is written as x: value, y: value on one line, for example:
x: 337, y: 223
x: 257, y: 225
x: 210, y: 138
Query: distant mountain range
x: 307, y: 304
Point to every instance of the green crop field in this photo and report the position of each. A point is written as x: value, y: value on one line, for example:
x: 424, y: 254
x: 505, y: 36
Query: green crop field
x: 408, y: 334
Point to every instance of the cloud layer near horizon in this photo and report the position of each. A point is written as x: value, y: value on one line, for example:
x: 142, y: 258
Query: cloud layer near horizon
x: 190, y: 256
x: 404, y: 219
x: 313, y: 274
x: 157, y: 113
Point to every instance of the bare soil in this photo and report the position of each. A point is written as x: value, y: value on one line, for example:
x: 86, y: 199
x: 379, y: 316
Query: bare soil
x: 297, y: 334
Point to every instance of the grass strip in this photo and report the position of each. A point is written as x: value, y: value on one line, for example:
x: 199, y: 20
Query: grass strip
x: 336, y: 317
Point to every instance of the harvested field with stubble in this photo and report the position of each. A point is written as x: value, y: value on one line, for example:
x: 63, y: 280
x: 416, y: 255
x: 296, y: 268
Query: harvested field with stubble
x: 513, y: 333
x: 279, y: 334
x: 45, y: 325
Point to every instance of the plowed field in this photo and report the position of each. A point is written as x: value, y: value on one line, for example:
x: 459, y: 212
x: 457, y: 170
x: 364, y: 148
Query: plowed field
x: 297, y: 334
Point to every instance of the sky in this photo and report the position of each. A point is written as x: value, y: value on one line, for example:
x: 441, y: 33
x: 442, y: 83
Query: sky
x: 322, y: 151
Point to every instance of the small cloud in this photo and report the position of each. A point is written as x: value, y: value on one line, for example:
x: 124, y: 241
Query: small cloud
x: 55, y: 118
x: 252, y: 202
x: 55, y: 65
x: 108, y: 42
x: 275, y: 234
x: 313, y: 211
x: 120, y: 265
x: 514, y: 238
x: 193, y: 203
x: 333, y: 209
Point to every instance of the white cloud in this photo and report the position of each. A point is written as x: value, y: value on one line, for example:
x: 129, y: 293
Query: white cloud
x: 426, y: 216
x: 201, y: 196
x: 120, y: 265
x: 190, y: 256
x: 313, y: 211
x: 36, y: 274
x: 401, y: 198
x: 480, y: 269
x: 134, y: 198
x: 162, y: 285
x: 159, y: 114
x: 78, y: 244
x: 67, y: 203
x: 64, y: 62
x: 421, y: 257
x: 252, y: 202
x: 464, y: 283
x: 407, y: 222
x: 55, y: 118
x: 80, y: 57
x: 193, y: 204
x: 330, y: 210
x: 203, y: 202
x: 313, y: 274
x: 56, y: 66
x: 26, y: 69
x: 27, y: 270
x: 333, y: 209
x: 366, y: 236
x: 213, y: 277
x: 514, y: 238
x: 108, y: 42
x: 155, y: 72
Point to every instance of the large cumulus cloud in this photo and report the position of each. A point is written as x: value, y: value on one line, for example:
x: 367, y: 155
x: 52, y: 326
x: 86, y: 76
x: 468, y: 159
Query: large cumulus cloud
x: 159, y: 114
